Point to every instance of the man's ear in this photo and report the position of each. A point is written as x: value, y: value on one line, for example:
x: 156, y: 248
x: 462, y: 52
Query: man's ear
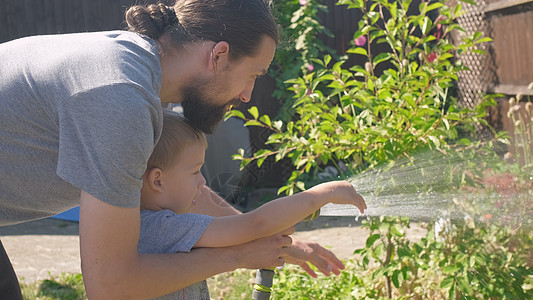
x: 219, y: 57
x: 153, y: 178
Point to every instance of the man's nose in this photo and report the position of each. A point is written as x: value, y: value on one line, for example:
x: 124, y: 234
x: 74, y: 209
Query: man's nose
x: 246, y: 94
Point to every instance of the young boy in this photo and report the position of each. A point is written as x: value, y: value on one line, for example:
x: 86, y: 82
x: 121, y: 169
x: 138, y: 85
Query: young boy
x: 172, y: 181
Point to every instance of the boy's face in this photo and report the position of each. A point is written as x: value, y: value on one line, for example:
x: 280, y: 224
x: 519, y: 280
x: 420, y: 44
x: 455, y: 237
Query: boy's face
x: 182, y: 182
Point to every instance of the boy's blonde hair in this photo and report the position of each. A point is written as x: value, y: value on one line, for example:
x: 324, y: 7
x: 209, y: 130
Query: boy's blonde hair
x: 176, y: 135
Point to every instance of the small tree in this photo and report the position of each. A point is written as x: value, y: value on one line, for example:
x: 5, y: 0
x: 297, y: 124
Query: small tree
x: 358, y: 118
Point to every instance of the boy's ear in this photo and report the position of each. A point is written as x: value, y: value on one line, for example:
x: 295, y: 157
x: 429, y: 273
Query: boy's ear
x: 153, y: 179
x: 219, y: 56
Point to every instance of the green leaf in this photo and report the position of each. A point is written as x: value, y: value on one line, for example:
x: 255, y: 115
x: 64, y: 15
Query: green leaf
x: 234, y: 113
x: 381, y: 58
x: 300, y: 185
x: 301, y: 163
x: 446, y: 283
x: 372, y: 239
x: 254, y: 112
x: 450, y: 269
x: 253, y: 123
x: 260, y: 161
x: 397, y: 230
x: 402, y: 252
x: 483, y: 40
x: 457, y: 9
x: 265, y: 119
x: 434, y: 6
x: 283, y: 189
x: 435, y: 140
x: 395, y: 279
x: 379, y: 250
x: 446, y: 124
x: 358, y: 50
x: 426, y: 25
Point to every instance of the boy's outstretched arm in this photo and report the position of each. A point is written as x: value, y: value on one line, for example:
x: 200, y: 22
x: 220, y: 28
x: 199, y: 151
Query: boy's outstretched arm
x: 300, y: 252
x: 277, y: 215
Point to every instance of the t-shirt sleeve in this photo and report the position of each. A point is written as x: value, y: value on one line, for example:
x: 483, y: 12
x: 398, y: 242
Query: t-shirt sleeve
x: 166, y: 232
x: 106, y: 137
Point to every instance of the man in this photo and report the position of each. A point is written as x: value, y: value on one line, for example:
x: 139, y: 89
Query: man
x: 80, y: 114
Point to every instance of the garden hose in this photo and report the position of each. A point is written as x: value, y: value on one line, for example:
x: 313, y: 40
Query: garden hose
x: 263, y: 279
x: 263, y: 284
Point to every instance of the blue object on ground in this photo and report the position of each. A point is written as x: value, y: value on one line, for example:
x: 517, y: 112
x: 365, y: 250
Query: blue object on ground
x: 72, y: 214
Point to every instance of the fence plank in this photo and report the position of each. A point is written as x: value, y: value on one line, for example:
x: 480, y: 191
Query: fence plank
x: 503, y: 4
x: 512, y: 47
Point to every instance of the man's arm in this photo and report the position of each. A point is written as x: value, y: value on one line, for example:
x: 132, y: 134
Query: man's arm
x: 300, y: 252
x: 113, y: 269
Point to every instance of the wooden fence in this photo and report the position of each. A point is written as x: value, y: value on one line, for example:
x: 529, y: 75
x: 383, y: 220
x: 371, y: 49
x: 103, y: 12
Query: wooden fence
x: 510, y: 25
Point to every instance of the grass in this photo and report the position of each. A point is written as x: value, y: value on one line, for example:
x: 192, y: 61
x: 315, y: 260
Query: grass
x: 64, y: 287
x: 67, y: 286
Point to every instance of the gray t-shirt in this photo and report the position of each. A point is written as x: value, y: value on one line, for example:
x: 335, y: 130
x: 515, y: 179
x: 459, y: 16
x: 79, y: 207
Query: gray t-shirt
x: 77, y: 111
x: 166, y: 232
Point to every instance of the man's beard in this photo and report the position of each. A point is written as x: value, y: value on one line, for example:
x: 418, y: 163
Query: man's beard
x: 200, y: 112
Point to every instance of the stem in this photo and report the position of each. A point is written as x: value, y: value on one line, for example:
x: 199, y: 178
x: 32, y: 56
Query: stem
x: 387, y: 261
x: 423, y: 92
x: 389, y: 35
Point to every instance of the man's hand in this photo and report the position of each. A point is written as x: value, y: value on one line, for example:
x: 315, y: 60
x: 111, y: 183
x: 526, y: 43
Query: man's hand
x: 264, y: 253
x: 301, y: 253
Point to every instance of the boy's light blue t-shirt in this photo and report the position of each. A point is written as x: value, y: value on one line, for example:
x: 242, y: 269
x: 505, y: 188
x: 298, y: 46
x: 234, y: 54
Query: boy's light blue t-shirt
x: 77, y: 112
x: 166, y: 232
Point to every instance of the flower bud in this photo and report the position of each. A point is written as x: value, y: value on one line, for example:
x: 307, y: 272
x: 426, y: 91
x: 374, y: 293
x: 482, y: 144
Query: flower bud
x: 368, y: 67
x: 529, y: 107
x: 512, y: 101
x: 530, y: 86
x: 519, y: 97
x: 360, y: 41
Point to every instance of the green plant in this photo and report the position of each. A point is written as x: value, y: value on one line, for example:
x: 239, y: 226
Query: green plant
x: 481, y: 260
x: 299, y: 43
x: 232, y: 285
x: 361, y: 118
x: 63, y: 287
x: 522, y: 120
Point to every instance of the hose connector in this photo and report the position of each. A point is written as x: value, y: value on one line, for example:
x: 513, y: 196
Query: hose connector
x: 263, y: 284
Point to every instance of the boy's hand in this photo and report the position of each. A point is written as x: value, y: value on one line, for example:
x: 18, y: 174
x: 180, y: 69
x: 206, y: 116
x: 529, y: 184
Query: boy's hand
x: 341, y: 192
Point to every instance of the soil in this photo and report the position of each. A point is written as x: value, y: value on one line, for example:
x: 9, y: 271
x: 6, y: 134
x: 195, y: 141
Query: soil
x: 49, y: 247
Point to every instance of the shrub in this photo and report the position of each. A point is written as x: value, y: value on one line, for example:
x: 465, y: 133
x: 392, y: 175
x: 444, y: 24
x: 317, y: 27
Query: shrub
x: 359, y: 118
